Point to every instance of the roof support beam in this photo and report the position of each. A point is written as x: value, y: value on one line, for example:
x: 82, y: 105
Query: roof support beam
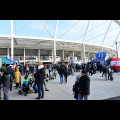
x: 116, y: 39
x: 106, y: 32
x: 117, y: 21
x: 54, y: 44
x: 12, y: 43
x: 86, y: 31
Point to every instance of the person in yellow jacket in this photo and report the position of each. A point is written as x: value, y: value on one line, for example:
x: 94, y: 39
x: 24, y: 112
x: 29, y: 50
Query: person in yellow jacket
x: 17, y: 78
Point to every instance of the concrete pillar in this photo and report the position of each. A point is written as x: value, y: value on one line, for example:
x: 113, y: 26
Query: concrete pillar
x: 73, y: 55
x: 63, y: 54
x: 88, y: 56
x: 52, y: 55
x: 54, y: 52
x: 24, y: 56
x: 8, y: 54
x: 83, y: 56
x: 38, y: 55
x: 54, y: 43
x: 12, y: 42
x: 94, y: 55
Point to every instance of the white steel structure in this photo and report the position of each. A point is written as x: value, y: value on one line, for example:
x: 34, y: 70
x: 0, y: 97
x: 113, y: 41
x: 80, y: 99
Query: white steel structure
x: 15, y: 45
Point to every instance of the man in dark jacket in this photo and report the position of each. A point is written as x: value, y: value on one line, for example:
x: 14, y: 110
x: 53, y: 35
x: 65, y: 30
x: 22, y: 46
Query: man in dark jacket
x: 84, y: 86
x: 6, y: 85
x: 40, y: 76
x: 75, y: 87
x: 65, y: 75
x: 61, y: 73
x: 11, y: 72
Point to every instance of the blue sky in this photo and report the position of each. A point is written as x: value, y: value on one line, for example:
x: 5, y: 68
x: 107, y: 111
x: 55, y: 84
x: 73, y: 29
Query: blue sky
x: 96, y: 31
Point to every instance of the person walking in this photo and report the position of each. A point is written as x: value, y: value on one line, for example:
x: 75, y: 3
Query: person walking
x: 1, y: 81
x: 65, y: 75
x: 91, y: 70
x: 40, y: 76
x: 55, y: 73
x: 50, y: 70
x: 105, y: 72
x: 108, y: 72
x: 115, y: 68
x: 84, y: 86
x: 17, y: 78
x: 61, y: 73
x: 6, y: 84
x: 27, y: 70
x: 100, y: 67
x: 11, y: 72
x: 111, y: 74
x: 75, y: 87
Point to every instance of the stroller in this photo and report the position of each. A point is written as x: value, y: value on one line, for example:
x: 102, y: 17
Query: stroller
x: 51, y: 77
x: 25, y: 89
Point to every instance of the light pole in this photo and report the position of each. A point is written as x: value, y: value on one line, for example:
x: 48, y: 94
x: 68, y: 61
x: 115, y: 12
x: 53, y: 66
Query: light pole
x: 117, y: 47
x: 12, y: 43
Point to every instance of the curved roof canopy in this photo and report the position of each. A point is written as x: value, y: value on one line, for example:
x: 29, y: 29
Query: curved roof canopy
x: 70, y: 33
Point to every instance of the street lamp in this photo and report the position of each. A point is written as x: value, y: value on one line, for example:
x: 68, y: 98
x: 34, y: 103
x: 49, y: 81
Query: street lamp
x: 117, y: 48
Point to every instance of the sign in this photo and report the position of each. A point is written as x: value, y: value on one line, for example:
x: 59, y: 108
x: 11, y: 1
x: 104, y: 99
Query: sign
x: 30, y: 58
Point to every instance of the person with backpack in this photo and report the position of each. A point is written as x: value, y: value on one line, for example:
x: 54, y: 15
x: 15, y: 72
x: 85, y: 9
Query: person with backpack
x: 61, y: 73
x: 83, y: 86
x: 26, y: 85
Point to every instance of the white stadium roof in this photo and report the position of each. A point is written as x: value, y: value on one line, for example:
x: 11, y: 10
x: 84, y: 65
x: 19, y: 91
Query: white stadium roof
x: 94, y: 34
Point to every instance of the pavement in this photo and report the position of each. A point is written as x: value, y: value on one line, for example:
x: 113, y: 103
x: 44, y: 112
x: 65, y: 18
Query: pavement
x: 100, y: 89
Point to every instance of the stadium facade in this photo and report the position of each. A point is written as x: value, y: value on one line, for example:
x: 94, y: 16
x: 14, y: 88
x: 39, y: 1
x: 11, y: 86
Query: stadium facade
x: 35, y: 49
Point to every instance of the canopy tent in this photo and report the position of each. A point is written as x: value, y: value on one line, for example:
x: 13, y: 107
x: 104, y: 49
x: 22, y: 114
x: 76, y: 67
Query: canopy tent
x: 13, y: 61
x: 5, y: 61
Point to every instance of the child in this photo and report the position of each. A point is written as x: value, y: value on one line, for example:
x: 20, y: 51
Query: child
x: 75, y: 87
x: 111, y: 74
x: 55, y: 73
x: 26, y: 85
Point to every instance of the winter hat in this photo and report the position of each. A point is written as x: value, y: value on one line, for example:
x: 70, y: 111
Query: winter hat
x: 26, y: 77
x: 40, y: 67
x: 84, y: 72
x: 40, y: 63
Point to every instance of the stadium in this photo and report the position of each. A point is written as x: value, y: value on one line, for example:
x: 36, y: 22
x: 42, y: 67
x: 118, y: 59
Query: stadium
x: 59, y: 40
x: 87, y: 52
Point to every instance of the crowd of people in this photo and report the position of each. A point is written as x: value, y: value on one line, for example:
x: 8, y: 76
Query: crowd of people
x: 81, y: 88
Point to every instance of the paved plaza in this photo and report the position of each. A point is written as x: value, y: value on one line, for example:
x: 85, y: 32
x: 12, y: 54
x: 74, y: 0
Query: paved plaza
x: 100, y: 89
